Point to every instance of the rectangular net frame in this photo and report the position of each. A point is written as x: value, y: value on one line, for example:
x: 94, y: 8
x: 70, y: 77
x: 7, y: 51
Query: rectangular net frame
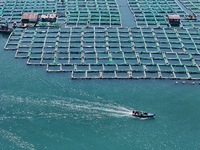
x: 97, y: 52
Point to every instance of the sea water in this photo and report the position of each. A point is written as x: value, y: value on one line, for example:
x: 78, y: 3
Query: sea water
x: 40, y: 110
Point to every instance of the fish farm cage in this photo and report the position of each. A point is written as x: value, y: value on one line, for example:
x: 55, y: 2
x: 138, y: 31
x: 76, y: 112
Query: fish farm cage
x: 151, y: 50
x: 70, y: 12
x: 194, y: 5
x: 154, y: 13
x: 93, y: 44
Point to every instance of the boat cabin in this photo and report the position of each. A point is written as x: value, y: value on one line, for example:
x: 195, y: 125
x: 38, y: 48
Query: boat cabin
x: 191, y: 17
x: 174, y: 20
x: 3, y: 27
x: 48, y: 18
x: 29, y: 18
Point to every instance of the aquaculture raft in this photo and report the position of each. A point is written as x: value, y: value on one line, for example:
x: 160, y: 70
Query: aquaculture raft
x: 154, y: 13
x: 70, y: 12
x: 193, y: 5
x: 96, y: 52
x: 91, y: 42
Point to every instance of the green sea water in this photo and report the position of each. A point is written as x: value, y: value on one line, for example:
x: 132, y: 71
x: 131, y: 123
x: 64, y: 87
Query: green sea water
x: 40, y: 110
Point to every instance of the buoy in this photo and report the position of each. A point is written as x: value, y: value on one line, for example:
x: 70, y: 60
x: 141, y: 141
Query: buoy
x: 176, y: 82
x: 193, y: 82
x: 183, y: 82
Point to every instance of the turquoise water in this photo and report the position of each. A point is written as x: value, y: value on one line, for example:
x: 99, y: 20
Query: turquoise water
x: 39, y: 111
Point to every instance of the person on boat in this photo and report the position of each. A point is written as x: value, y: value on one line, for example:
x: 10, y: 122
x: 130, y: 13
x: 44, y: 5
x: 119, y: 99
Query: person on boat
x: 133, y: 112
x: 137, y: 113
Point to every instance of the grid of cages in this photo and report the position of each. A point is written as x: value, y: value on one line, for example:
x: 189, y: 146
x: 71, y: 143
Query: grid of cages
x: 190, y: 23
x: 193, y: 5
x: 74, y: 13
x: 154, y: 13
x: 11, y: 10
x: 75, y: 39
x: 92, y: 12
x: 122, y: 49
x: 127, y: 71
x: 176, y: 64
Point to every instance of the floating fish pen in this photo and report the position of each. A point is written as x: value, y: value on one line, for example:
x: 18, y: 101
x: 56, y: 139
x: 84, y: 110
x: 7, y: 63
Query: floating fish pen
x: 88, y: 40
x: 73, y: 13
x: 95, y: 13
x: 154, y: 13
x: 132, y: 75
x: 193, y: 5
x: 113, y: 41
x: 93, y: 52
x: 12, y: 10
x: 128, y: 71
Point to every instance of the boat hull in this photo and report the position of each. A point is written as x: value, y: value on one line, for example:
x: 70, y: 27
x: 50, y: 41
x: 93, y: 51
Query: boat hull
x: 143, y: 115
x: 5, y: 31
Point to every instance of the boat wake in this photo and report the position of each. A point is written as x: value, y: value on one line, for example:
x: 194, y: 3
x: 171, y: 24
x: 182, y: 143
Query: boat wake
x: 17, y: 140
x: 26, y: 108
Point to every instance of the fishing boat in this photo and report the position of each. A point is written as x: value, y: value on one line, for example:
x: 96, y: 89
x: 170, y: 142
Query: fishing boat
x: 141, y: 114
x: 5, y: 29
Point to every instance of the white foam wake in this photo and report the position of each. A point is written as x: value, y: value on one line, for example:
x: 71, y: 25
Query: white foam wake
x: 29, y: 108
x: 18, y: 141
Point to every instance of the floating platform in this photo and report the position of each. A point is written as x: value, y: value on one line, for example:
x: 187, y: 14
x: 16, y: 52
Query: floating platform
x: 126, y: 75
x: 147, y: 13
x: 89, y: 42
x: 192, y: 5
x: 69, y: 12
x: 153, y: 13
x: 156, y: 52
